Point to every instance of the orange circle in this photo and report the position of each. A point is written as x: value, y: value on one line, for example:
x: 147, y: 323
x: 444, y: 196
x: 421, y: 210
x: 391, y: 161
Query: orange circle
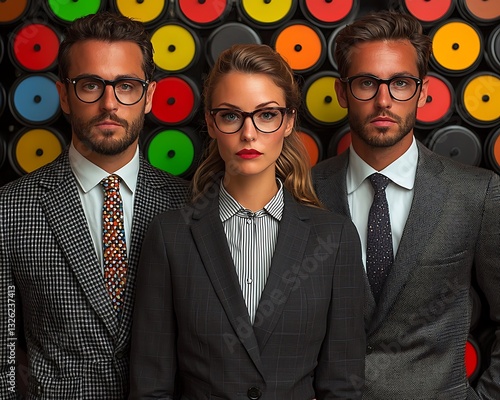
x: 300, y: 45
x: 311, y: 146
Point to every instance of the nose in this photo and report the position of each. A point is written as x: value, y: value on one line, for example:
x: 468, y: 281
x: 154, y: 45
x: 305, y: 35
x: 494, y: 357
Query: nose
x: 248, y: 130
x: 383, y: 97
x: 108, y: 100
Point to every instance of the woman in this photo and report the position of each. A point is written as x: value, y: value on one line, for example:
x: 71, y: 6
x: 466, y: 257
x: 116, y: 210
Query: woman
x: 253, y: 291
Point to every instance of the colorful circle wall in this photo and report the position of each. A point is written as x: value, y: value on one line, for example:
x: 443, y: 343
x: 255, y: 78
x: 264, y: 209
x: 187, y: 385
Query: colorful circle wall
x: 461, y: 119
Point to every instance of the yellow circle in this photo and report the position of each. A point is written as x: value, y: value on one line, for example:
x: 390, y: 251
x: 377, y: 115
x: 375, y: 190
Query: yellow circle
x: 174, y: 47
x: 321, y: 101
x: 37, y: 147
x: 143, y: 12
x: 456, y: 46
x: 267, y: 13
x: 482, y: 98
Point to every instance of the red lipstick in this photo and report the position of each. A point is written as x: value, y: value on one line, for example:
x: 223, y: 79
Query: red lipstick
x: 248, y: 153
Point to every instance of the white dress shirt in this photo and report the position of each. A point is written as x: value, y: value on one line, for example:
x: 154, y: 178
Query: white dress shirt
x: 251, y: 237
x: 399, y: 193
x: 88, y: 176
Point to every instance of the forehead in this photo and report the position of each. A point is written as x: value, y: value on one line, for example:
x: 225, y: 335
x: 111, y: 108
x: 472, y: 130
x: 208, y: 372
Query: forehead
x: 383, y: 58
x: 106, y: 59
x: 247, y: 90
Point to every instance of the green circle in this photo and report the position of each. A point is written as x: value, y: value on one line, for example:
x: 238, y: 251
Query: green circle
x: 69, y: 10
x: 171, y: 151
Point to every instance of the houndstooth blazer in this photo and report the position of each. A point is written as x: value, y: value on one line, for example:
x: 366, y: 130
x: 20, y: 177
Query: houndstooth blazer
x: 51, y: 282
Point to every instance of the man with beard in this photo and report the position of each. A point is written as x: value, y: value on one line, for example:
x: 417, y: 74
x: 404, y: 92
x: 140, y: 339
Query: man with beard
x: 434, y: 225
x: 71, y: 232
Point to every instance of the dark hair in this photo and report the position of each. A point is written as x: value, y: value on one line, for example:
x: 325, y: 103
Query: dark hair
x: 382, y: 26
x: 107, y: 27
x: 292, y: 166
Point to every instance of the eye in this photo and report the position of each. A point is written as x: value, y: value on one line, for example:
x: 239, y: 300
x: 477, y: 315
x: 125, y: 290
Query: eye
x: 267, y: 114
x: 367, y: 83
x: 230, y: 116
x: 400, y: 83
x: 90, y: 85
x: 126, y: 86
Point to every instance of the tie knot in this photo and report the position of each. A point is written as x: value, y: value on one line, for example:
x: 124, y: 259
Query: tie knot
x: 379, y: 181
x: 111, y: 182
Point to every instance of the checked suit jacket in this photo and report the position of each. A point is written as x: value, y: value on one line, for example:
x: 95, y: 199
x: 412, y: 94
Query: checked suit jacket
x: 191, y: 324
x: 77, y: 348
x: 416, y: 334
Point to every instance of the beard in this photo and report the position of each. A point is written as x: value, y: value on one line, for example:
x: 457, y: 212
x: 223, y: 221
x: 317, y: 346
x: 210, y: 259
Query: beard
x: 108, y: 145
x: 381, y: 137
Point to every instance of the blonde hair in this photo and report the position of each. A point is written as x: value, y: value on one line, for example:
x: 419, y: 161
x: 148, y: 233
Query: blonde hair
x: 292, y: 166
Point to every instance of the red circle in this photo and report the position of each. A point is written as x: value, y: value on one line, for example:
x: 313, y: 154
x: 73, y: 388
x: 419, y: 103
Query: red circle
x: 202, y: 13
x: 35, y: 47
x: 441, y: 101
x: 471, y: 359
x: 428, y: 10
x: 329, y: 12
x: 173, y: 101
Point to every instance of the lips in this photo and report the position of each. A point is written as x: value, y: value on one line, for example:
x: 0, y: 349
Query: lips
x: 108, y: 123
x: 248, y: 153
x: 383, y: 121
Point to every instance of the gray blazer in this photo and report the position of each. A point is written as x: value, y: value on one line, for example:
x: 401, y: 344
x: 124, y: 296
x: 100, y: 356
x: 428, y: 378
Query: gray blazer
x: 76, y: 346
x: 416, y: 335
x: 191, y: 324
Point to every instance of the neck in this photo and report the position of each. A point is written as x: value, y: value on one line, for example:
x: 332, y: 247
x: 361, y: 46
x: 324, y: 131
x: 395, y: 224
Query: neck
x: 251, y: 192
x: 381, y: 157
x: 109, y: 163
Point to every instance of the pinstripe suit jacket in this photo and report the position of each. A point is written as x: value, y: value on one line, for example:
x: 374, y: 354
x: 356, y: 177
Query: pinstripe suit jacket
x: 191, y: 321
x: 77, y: 348
x: 416, y: 334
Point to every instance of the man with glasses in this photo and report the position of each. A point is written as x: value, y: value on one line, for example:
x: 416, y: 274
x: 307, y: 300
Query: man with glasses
x: 71, y: 232
x: 428, y: 226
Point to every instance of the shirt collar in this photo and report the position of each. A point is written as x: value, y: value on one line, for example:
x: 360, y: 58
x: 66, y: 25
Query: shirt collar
x: 229, y: 207
x: 402, y: 171
x: 88, y: 175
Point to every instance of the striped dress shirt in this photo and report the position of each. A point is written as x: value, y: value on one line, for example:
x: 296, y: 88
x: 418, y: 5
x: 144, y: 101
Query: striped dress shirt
x: 251, y: 238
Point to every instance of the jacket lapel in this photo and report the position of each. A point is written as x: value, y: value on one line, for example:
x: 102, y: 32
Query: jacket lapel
x: 286, y: 264
x: 210, y: 238
x: 151, y: 198
x: 66, y: 218
x: 331, y: 187
x: 429, y: 199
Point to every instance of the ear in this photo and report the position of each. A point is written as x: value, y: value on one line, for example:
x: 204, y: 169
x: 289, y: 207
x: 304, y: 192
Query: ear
x: 340, y: 89
x: 62, y: 89
x: 149, y: 96
x: 290, y: 122
x: 422, y: 97
x: 210, y: 125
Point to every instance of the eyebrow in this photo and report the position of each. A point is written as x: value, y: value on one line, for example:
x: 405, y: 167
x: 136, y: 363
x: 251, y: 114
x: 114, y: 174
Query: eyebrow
x: 118, y: 77
x: 399, y: 73
x: 261, y: 105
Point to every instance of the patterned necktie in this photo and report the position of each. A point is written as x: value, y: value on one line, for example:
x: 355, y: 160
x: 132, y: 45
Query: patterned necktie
x: 379, y: 252
x: 113, y: 241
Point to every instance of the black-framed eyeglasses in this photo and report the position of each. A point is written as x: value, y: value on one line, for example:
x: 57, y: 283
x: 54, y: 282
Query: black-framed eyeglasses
x: 365, y: 87
x: 128, y: 91
x: 265, y: 120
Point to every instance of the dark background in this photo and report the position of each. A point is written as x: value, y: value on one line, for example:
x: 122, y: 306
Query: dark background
x: 180, y: 132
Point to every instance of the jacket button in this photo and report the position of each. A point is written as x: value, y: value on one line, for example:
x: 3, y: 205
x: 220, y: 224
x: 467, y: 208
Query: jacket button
x: 254, y: 393
x: 369, y: 349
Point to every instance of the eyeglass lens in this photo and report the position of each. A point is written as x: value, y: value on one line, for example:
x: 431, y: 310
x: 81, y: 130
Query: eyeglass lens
x: 401, y: 88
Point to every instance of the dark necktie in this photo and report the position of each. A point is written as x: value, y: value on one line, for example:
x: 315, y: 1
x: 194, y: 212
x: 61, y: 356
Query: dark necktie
x: 379, y: 253
x: 113, y: 237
